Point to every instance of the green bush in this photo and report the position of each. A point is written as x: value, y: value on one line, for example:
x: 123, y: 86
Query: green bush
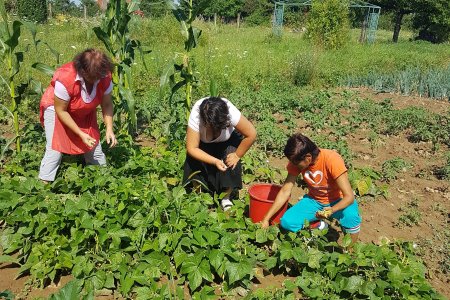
x: 303, y: 69
x: 328, y: 24
x: 33, y: 10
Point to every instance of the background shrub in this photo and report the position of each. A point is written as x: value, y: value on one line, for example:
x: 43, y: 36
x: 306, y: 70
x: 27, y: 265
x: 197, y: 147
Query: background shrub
x: 328, y: 23
x: 33, y: 10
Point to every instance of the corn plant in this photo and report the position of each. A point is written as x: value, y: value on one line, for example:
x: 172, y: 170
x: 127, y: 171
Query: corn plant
x: 185, y: 13
x: 11, y: 58
x: 115, y: 36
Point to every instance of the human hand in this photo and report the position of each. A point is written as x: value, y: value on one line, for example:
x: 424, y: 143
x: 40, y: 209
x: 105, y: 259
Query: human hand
x: 221, y: 165
x: 87, y: 139
x: 232, y: 160
x: 325, y: 213
x: 264, y: 224
x: 111, y: 138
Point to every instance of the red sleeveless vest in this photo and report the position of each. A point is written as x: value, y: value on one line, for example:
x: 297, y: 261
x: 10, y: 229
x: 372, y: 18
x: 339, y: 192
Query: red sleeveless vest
x: 84, y: 114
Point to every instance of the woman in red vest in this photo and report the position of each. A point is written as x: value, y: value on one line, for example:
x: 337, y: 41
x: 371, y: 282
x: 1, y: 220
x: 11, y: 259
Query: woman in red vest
x: 68, y: 111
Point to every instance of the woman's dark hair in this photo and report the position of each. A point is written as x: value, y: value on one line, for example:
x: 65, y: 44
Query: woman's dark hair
x: 93, y: 62
x: 214, y: 112
x: 298, y: 146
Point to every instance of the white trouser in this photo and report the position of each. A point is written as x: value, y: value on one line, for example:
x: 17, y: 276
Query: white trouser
x: 52, y: 159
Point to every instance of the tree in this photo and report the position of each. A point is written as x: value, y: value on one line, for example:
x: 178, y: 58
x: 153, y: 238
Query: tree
x: 431, y: 17
x: 153, y: 8
x: 399, y: 8
x: 228, y: 9
x: 328, y: 23
x: 34, y: 10
x: 91, y: 7
x: 64, y: 7
x: 432, y: 20
x: 257, y: 12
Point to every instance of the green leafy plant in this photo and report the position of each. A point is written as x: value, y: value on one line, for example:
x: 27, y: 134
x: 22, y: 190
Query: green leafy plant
x: 12, y: 58
x: 185, y: 13
x: 328, y: 23
x: 364, y: 183
x: 392, y: 167
x: 114, y: 33
x: 33, y: 10
x: 410, y: 214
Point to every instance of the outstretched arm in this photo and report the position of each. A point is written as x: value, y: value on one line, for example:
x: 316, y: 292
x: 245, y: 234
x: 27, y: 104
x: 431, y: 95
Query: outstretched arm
x: 108, y: 111
x: 282, y: 197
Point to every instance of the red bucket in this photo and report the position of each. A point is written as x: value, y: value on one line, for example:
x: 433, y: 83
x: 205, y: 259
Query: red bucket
x: 262, y: 196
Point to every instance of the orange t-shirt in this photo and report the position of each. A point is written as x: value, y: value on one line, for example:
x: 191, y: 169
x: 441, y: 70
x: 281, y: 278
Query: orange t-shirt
x: 321, y: 177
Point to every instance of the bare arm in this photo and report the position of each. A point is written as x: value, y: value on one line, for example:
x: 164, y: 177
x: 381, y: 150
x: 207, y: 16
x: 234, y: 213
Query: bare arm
x: 108, y: 112
x: 64, y: 116
x: 347, y: 192
x: 281, y: 199
x: 193, y: 150
x: 246, y: 128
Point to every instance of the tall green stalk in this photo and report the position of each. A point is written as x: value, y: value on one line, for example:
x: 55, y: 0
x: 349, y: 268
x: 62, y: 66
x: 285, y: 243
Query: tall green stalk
x: 185, y: 13
x: 115, y: 36
x: 12, y: 59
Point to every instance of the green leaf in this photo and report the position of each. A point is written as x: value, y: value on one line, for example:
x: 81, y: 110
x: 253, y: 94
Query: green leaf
x: 71, y: 291
x: 13, y: 41
x: 354, y: 283
x: 55, y: 53
x: 205, y: 271
x: 347, y: 240
x: 103, y: 36
x: 193, y: 274
x: 270, y: 263
x: 216, y: 258
x: 126, y: 283
x: 7, y: 295
x: 395, y: 275
x: 44, y: 68
x: 314, y: 258
x: 167, y: 73
x: 7, y: 259
x: 237, y: 271
x: 261, y: 235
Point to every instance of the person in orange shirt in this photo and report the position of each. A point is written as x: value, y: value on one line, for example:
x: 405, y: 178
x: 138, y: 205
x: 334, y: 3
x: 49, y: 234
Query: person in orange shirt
x: 329, y: 189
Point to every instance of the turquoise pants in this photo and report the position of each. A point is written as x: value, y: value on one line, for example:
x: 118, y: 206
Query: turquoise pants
x: 294, y: 218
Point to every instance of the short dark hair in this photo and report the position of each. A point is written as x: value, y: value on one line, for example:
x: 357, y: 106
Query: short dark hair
x: 93, y: 62
x: 298, y: 146
x: 214, y: 112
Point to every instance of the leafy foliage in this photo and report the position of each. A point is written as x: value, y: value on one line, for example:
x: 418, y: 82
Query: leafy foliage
x: 129, y: 225
x: 328, y: 23
x: 33, y: 10
x: 185, y: 13
x: 392, y: 167
x: 114, y: 33
x: 12, y: 57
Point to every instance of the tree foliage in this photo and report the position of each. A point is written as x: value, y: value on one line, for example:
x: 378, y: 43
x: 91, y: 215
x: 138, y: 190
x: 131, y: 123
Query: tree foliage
x: 328, y: 23
x: 228, y: 9
x: 431, y: 18
x: 34, y: 10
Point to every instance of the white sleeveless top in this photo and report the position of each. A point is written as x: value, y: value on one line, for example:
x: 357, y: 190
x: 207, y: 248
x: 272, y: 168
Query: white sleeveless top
x: 195, y: 124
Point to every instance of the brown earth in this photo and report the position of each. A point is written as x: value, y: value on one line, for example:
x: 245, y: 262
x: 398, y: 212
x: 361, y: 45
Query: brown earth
x: 381, y: 216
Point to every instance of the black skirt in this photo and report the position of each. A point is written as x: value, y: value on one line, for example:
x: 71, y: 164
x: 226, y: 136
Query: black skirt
x: 214, y: 179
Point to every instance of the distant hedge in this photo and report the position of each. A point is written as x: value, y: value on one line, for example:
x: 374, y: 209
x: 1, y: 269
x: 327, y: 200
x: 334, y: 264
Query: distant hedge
x: 33, y: 10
